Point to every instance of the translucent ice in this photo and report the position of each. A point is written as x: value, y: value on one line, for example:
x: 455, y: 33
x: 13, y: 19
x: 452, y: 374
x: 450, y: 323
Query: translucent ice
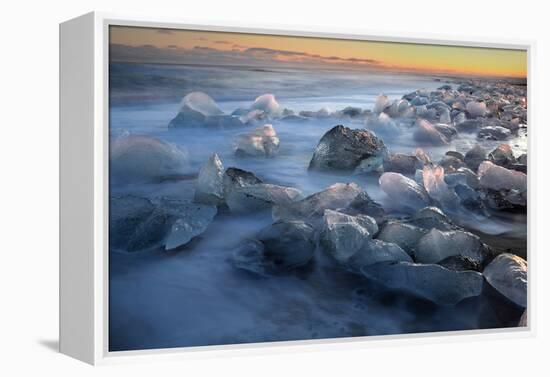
x: 437, y: 245
x: 263, y: 141
x: 425, y: 132
x: 268, y: 104
x: 381, y: 103
x: 136, y: 158
x: 260, y: 196
x: 507, y: 273
x: 209, y: 189
x: 404, y: 190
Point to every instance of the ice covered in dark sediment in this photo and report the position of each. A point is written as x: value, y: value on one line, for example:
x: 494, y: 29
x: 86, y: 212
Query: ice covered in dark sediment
x: 426, y: 133
x: 342, y: 235
x: 494, y: 133
x: 429, y: 281
x: 502, y: 156
x: 437, y: 245
x: 446, y: 130
x: 209, y: 188
x: 363, y: 204
x: 261, y: 196
x: 496, y: 177
x: 476, y: 109
x: 402, y: 163
x: 460, y: 263
x: 451, y: 163
x: 311, y: 208
x: 381, y: 103
x: 262, y: 141
x: 469, y: 125
x: 431, y: 218
x: 235, y: 178
x: 404, y: 191
x: 350, y: 112
x: 507, y: 273
x: 382, y: 125
x: 138, y: 224
x: 280, y: 247
x: 198, y: 109
x: 475, y: 156
x: 344, y: 149
x: 268, y: 104
x: 376, y: 251
x: 139, y: 158
x: 404, y: 235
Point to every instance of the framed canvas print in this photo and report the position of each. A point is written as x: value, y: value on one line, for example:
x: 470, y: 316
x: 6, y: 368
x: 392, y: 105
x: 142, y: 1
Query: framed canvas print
x: 227, y: 188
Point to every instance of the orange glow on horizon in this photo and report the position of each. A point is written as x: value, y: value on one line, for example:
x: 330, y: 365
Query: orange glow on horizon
x: 435, y: 59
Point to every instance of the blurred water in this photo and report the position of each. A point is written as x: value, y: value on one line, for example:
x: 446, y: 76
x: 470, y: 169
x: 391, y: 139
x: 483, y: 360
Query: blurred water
x: 195, y: 296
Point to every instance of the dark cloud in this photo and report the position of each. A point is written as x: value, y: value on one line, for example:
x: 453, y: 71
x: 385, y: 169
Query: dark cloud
x: 246, y: 56
x: 222, y: 42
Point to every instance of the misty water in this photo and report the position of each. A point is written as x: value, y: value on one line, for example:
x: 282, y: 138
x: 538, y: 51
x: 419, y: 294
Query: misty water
x: 195, y: 296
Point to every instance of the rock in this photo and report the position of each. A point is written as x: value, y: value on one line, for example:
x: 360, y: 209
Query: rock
x: 402, y: 163
x: 472, y: 180
x: 476, y: 109
x: 426, y: 133
x: 404, y: 235
x: 474, y: 157
x: 362, y: 204
x: 140, y: 159
x: 343, y: 149
x: 339, y: 195
x: 125, y: 214
x: 429, y: 281
x: 235, y: 178
x: 459, y: 118
x: 507, y: 273
x: 342, y: 235
x: 494, y: 133
x: 280, y: 247
x: 322, y: 113
x: 197, y: 109
x: 263, y: 141
x: 261, y: 196
x: 350, y: 112
x: 436, y: 245
x: 382, y: 102
x: 268, y: 104
x: 382, y: 124
x: 209, y: 189
x: 502, y: 156
x: 376, y: 251
x: 495, y: 177
x: 451, y: 164
x: 404, y: 190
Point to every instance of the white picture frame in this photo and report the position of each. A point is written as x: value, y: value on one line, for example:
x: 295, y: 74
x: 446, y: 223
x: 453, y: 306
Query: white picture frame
x: 84, y: 125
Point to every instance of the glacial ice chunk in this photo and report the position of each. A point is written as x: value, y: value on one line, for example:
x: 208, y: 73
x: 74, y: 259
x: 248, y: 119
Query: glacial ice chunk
x: 437, y: 245
x: 507, y: 273
x: 260, y: 196
x: 342, y: 235
x: 426, y: 133
x: 209, y: 189
x: 498, y: 178
x: 194, y: 222
x: 339, y: 195
x: 382, y: 124
x: 404, y: 190
x: 381, y: 103
x: 198, y: 109
x: 268, y: 104
x: 429, y: 281
x: 138, y: 159
x: 376, y: 251
x: 476, y: 109
x: 404, y: 235
x: 263, y: 141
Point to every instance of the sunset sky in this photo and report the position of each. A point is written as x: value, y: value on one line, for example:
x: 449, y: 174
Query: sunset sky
x: 169, y: 46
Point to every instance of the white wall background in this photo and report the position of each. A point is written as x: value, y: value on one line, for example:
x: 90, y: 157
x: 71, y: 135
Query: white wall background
x: 29, y: 188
